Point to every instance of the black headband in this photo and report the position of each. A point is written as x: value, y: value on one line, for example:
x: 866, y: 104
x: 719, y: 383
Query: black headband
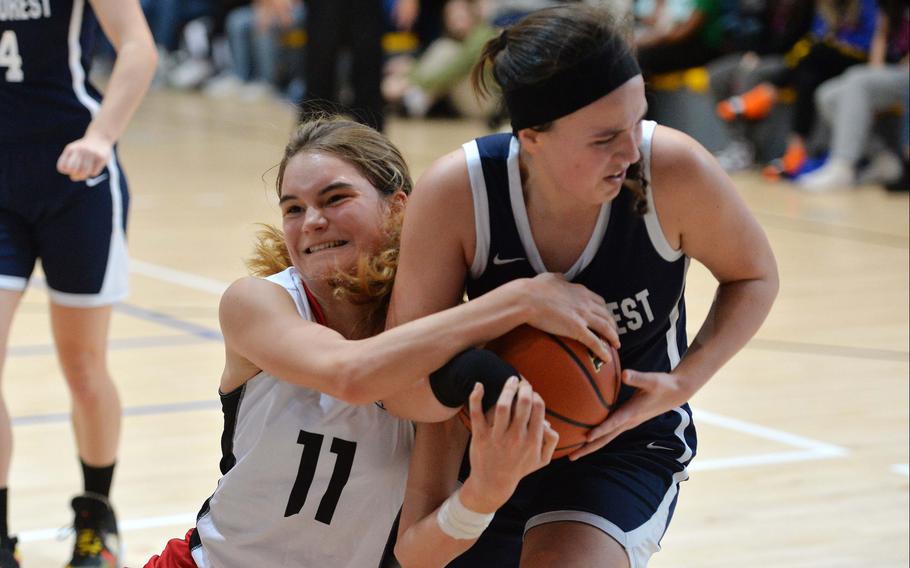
x: 572, y: 88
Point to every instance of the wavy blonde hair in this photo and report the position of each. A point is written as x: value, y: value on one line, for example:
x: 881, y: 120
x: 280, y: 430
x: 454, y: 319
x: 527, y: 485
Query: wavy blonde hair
x: 381, y: 163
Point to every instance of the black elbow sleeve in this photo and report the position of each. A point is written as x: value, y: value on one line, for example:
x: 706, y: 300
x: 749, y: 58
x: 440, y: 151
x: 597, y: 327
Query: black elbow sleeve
x: 453, y: 382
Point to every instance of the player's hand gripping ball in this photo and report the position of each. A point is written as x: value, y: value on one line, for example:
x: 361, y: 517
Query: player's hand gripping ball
x: 578, y: 388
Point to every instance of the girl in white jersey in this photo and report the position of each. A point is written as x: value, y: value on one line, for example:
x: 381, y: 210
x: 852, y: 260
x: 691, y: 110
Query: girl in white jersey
x: 553, y: 195
x: 313, y: 470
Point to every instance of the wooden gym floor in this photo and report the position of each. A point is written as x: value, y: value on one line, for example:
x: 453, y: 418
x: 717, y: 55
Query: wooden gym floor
x: 803, y: 450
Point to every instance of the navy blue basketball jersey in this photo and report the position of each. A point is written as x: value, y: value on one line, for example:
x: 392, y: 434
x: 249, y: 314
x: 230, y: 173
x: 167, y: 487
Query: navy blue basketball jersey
x: 628, y: 260
x: 45, y: 48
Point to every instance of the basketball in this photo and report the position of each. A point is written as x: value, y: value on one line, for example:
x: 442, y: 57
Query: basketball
x: 578, y: 388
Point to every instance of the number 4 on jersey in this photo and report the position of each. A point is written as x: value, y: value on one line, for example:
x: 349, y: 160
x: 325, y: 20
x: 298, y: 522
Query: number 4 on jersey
x: 10, y: 58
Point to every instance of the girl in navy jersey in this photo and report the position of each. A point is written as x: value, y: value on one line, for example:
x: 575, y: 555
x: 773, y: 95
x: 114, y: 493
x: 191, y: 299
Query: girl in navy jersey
x: 585, y: 187
x: 313, y: 470
x: 64, y: 199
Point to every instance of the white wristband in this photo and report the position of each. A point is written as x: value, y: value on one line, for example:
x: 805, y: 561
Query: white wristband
x: 459, y: 522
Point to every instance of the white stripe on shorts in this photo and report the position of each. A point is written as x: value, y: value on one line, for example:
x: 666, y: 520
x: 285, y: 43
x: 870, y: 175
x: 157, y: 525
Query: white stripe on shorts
x: 642, y: 542
x: 14, y: 283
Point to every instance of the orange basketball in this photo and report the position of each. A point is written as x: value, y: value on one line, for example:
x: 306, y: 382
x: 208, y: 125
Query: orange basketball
x: 578, y: 388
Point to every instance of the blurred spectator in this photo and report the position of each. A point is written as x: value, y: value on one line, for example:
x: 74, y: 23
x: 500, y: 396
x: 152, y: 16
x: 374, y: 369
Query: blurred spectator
x: 849, y: 103
x: 254, y: 37
x: 503, y: 13
x: 659, y: 16
x: 443, y: 70
x: 357, y: 25
x: 688, y: 43
x: 758, y: 38
x: 840, y: 37
x: 167, y: 20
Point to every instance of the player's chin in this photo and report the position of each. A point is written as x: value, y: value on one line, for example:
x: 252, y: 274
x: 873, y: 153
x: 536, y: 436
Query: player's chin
x: 608, y: 189
x: 321, y: 266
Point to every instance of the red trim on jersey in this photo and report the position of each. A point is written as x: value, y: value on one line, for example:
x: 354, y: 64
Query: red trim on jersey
x: 314, y: 305
x: 176, y: 554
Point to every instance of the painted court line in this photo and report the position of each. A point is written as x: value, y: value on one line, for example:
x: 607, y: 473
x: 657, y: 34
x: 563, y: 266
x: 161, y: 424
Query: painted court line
x: 168, y: 321
x: 185, y: 520
x: 185, y: 279
x: 43, y: 349
x: 755, y: 460
x: 145, y: 410
x: 758, y: 431
x: 808, y: 449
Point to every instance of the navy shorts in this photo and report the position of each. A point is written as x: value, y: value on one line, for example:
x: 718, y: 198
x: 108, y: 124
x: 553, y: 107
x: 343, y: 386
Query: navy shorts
x: 77, y: 229
x: 628, y: 490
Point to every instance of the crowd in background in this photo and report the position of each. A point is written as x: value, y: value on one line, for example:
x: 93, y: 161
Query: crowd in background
x: 832, y: 75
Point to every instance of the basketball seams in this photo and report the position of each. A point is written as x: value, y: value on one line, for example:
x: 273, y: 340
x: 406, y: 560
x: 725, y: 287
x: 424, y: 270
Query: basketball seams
x: 568, y: 420
x: 584, y: 369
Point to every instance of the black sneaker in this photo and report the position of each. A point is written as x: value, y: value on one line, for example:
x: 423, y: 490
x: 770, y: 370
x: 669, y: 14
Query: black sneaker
x: 97, y: 539
x: 9, y: 556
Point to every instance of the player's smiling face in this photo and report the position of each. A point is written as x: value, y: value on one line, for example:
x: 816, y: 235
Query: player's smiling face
x: 589, y: 151
x: 331, y: 214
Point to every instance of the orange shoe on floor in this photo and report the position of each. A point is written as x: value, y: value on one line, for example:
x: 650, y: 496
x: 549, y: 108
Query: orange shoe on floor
x: 754, y: 104
x: 787, y: 166
x: 794, y: 159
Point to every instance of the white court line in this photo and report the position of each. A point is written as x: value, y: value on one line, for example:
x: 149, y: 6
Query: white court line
x: 185, y: 279
x: 768, y: 433
x: 186, y: 521
x: 758, y: 460
x: 901, y: 469
x: 808, y: 449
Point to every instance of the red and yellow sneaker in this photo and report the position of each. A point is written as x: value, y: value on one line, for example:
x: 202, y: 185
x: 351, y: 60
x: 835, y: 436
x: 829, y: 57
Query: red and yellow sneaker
x: 97, y: 540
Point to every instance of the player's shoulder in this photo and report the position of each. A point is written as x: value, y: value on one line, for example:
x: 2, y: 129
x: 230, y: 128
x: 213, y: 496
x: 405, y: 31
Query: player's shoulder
x: 249, y: 295
x: 446, y: 182
x: 678, y: 160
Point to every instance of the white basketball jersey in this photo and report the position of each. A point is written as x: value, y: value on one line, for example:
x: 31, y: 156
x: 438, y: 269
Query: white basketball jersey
x: 309, y: 480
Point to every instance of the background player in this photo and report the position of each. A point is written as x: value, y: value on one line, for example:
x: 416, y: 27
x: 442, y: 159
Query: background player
x: 585, y: 187
x: 64, y: 199
x: 313, y: 471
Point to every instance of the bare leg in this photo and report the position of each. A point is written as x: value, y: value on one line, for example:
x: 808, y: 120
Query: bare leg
x: 571, y: 545
x: 81, y: 338
x: 9, y: 301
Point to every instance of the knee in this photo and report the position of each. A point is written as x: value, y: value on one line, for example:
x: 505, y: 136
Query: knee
x: 85, y: 371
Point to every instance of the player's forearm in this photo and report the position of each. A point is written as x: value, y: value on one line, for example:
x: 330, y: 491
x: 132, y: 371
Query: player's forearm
x: 738, y: 310
x: 424, y: 545
x: 392, y: 361
x: 130, y: 79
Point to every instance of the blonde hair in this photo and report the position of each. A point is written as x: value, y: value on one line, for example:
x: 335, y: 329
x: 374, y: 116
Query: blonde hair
x: 381, y: 163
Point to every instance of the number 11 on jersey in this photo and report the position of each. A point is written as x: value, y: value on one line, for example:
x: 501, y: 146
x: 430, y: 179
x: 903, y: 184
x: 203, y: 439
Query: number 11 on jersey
x: 10, y: 58
x: 312, y: 444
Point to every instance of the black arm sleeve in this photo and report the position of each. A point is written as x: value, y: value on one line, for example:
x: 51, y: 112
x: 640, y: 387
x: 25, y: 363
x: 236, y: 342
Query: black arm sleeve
x: 453, y: 382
